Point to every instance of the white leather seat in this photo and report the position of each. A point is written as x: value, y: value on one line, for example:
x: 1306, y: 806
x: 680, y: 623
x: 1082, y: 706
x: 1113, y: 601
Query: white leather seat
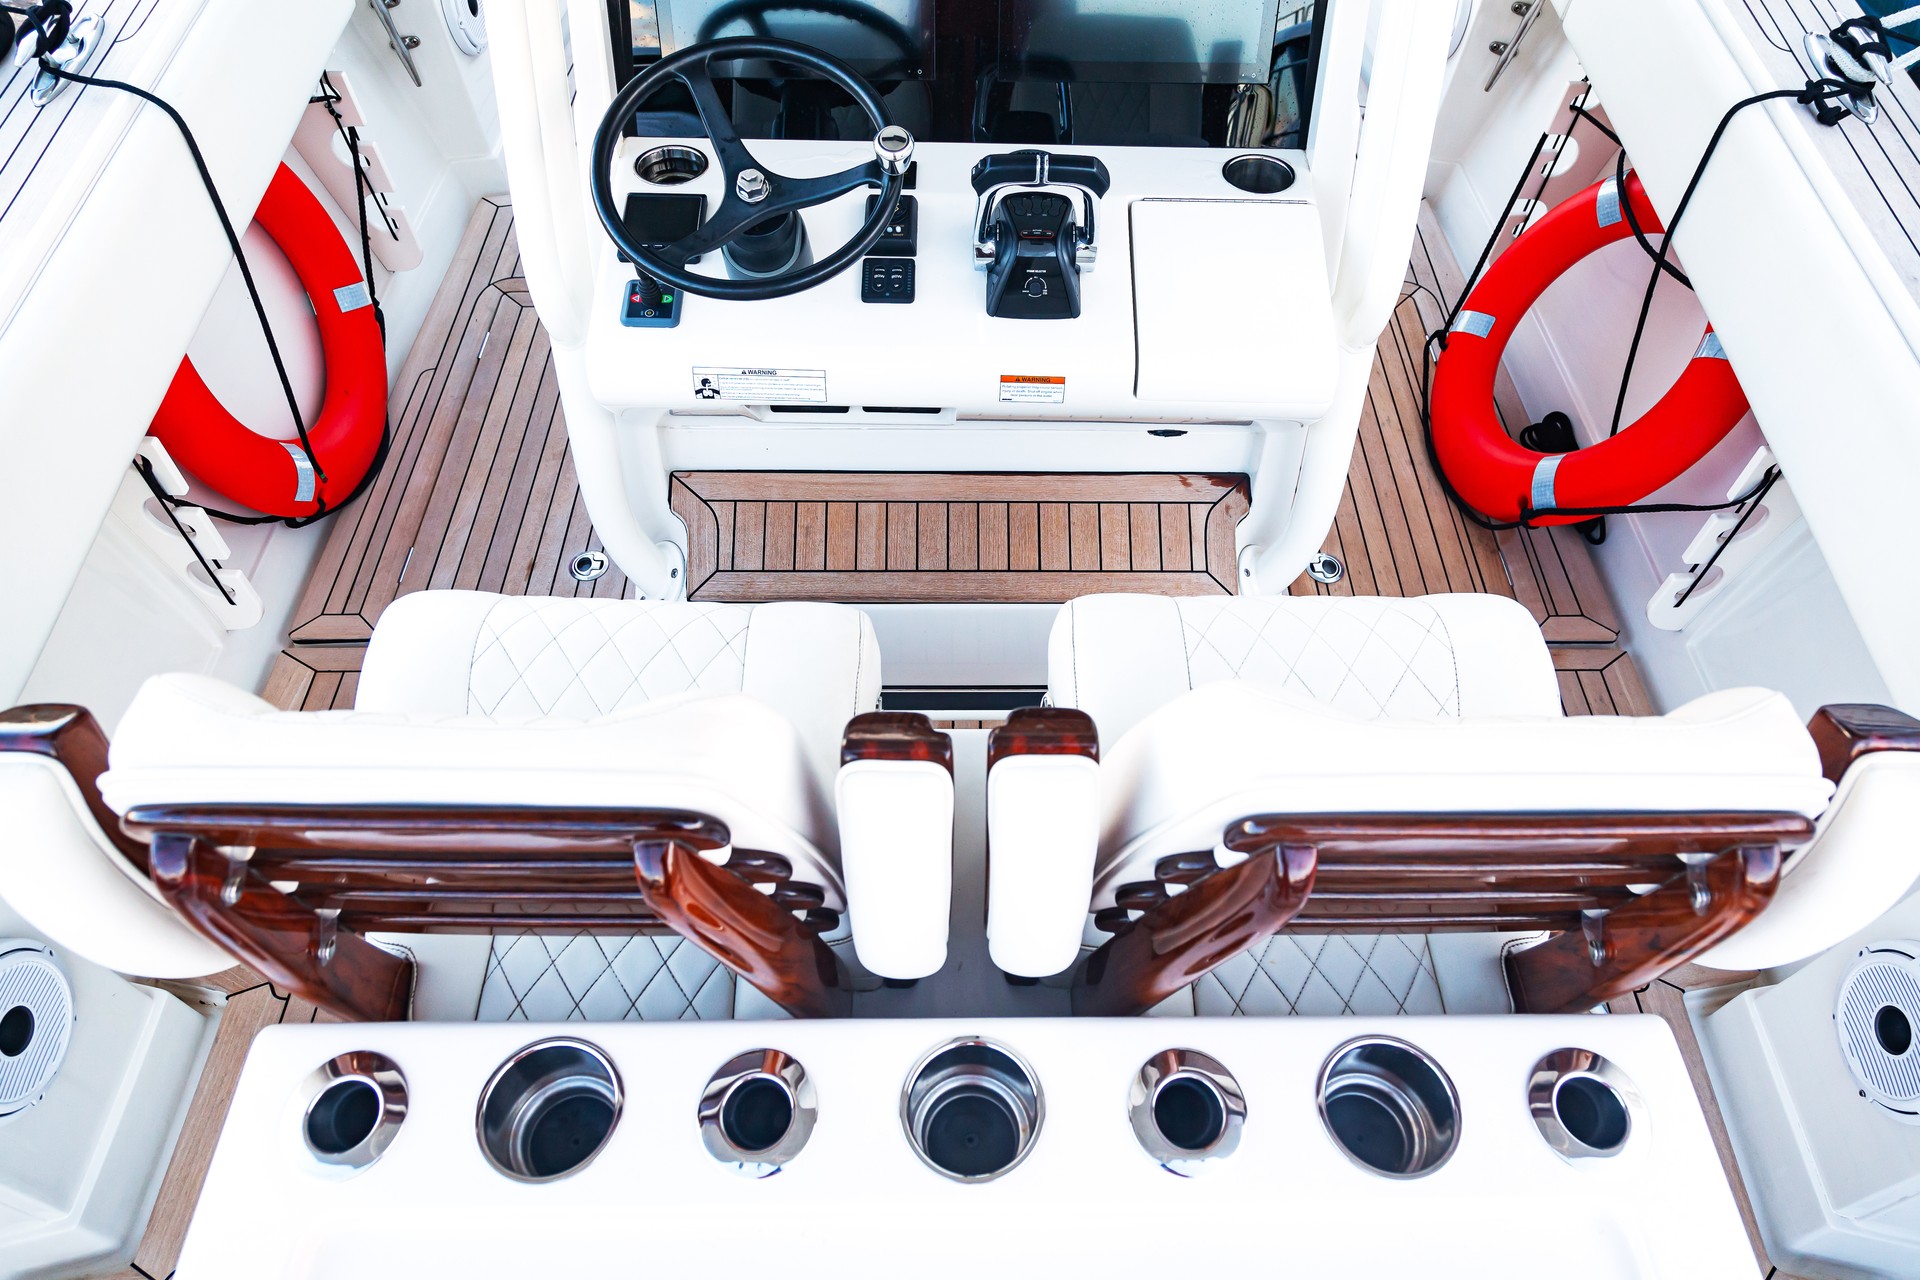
x: 507, y: 657
x: 1122, y: 657
x: 468, y: 698
x: 1214, y: 709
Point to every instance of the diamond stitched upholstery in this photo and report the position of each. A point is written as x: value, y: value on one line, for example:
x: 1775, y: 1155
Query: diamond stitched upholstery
x: 1367, y: 656
x: 537, y: 657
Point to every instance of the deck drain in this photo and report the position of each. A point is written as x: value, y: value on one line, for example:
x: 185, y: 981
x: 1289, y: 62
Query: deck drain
x: 588, y: 565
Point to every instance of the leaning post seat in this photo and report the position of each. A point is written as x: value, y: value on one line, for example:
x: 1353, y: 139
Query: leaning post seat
x: 523, y: 767
x: 1274, y: 769
x: 475, y: 653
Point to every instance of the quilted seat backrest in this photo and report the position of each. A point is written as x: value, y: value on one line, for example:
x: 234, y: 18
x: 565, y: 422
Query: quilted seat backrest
x: 474, y: 653
x: 1121, y: 657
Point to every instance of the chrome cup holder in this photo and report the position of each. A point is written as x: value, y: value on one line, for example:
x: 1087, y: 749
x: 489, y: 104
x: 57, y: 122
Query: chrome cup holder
x: 1584, y: 1105
x: 757, y: 1112
x: 971, y: 1109
x: 548, y: 1110
x: 1258, y: 175
x: 355, y: 1106
x: 670, y: 166
x: 1187, y: 1110
x: 1389, y: 1107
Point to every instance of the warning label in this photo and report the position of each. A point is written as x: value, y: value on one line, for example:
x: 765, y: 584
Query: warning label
x: 1026, y: 388
x: 761, y: 386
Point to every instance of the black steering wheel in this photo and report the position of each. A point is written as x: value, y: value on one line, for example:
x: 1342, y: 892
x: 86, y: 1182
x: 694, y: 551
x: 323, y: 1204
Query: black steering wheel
x: 754, y: 14
x: 753, y: 193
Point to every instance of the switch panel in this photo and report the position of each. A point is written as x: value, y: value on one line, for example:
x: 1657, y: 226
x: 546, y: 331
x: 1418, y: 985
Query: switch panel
x: 886, y: 280
x: 898, y: 240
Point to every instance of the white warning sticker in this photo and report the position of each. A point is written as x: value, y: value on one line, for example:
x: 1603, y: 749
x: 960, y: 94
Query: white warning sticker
x: 760, y: 386
x: 1026, y: 388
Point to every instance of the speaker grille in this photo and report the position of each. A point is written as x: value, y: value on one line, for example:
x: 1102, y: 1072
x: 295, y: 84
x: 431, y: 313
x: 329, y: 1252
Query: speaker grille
x: 1877, y: 1014
x: 34, y: 1042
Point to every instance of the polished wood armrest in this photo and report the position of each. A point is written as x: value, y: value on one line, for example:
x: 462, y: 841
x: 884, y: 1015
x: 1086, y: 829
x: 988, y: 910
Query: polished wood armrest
x: 895, y: 735
x: 73, y: 739
x: 1044, y: 731
x: 1845, y: 731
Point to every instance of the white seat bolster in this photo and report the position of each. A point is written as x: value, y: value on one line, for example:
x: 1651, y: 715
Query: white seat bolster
x: 421, y: 654
x: 896, y: 860
x: 818, y: 665
x: 1861, y: 861
x: 1503, y: 665
x: 1043, y: 829
x: 66, y: 878
x: 1116, y: 657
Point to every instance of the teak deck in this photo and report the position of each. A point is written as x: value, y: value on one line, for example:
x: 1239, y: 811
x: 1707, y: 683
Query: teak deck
x: 889, y: 537
x: 479, y: 492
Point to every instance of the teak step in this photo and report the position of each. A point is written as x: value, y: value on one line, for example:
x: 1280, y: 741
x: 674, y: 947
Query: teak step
x: 883, y: 537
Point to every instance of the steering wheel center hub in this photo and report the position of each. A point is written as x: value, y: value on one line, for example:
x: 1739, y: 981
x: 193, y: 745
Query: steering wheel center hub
x: 752, y: 186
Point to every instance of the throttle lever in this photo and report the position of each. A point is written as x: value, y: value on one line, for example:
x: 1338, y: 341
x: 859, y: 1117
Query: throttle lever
x: 1033, y: 168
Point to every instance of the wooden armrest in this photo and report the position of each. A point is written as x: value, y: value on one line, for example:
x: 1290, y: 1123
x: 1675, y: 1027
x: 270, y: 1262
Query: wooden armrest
x: 1845, y: 731
x: 72, y: 738
x: 1044, y: 731
x: 895, y: 735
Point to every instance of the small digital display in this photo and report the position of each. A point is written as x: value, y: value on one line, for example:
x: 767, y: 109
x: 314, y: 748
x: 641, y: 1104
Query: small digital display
x: 1155, y: 41
x: 881, y: 39
x: 653, y: 220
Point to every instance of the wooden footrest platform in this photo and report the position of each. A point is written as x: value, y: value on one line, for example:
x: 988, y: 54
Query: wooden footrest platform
x: 889, y: 537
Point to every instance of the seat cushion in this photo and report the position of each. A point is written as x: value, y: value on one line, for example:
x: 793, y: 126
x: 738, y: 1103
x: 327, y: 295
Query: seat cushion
x: 474, y: 653
x: 1119, y: 657
x: 1233, y: 750
x: 193, y: 740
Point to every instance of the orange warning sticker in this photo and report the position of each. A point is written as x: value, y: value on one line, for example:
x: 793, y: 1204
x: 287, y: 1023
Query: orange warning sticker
x: 1027, y: 388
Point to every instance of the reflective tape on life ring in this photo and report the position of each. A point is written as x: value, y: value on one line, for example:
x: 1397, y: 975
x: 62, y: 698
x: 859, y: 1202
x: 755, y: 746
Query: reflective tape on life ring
x: 1502, y: 479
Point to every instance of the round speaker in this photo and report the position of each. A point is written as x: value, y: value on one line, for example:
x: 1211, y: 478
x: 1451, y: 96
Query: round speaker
x: 36, y: 1022
x: 1878, y: 1017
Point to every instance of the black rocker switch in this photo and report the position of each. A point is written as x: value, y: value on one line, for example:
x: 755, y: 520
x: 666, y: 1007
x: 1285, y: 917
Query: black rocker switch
x: 886, y: 280
x: 898, y: 240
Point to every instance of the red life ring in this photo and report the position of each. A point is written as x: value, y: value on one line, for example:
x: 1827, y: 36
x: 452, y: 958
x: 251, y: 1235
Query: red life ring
x: 275, y: 476
x: 1494, y: 474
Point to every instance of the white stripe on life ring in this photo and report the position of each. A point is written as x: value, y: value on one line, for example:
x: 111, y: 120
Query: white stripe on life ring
x: 1477, y: 323
x: 1606, y: 205
x: 1541, y: 496
x: 303, y: 465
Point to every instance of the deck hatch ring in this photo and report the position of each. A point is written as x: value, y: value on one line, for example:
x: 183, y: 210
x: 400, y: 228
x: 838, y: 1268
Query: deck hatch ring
x: 1326, y: 567
x: 588, y: 565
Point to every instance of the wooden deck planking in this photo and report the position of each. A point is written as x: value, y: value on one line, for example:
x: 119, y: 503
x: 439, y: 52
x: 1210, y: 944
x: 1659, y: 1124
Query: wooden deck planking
x: 955, y: 537
x: 478, y: 491
x: 1396, y: 530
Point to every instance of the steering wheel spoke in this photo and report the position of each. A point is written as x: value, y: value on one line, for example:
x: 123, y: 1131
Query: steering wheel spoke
x: 729, y: 220
x: 727, y: 147
x: 804, y: 193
